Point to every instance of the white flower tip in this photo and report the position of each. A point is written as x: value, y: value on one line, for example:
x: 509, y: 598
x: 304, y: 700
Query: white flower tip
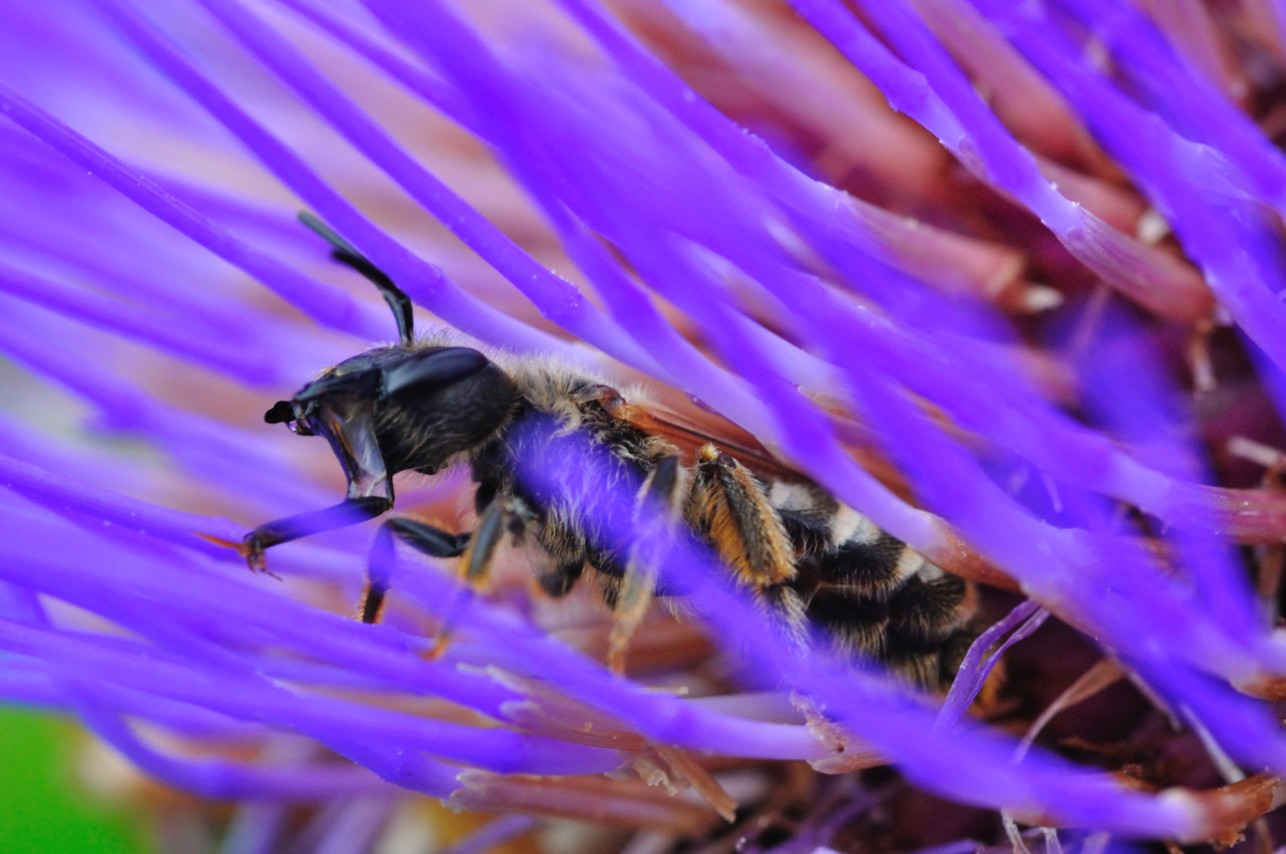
x: 1151, y: 228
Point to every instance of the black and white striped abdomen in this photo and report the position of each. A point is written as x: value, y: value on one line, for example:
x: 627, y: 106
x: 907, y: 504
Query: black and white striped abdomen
x: 872, y: 592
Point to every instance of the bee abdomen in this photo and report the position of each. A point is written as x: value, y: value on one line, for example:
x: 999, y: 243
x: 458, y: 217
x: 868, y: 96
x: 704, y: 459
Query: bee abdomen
x: 879, y: 567
x: 846, y: 548
x: 856, y: 623
x: 872, y: 593
x: 931, y: 607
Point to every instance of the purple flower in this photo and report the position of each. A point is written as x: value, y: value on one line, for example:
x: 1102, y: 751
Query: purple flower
x: 1032, y: 327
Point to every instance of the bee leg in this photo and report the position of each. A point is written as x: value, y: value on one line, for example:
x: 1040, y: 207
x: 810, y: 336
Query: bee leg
x: 730, y: 505
x: 560, y: 581
x: 656, y: 516
x: 505, y: 516
x: 348, y: 512
x: 427, y: 539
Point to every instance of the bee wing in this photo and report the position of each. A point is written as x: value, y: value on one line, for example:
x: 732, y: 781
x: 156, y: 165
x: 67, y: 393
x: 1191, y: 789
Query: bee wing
x: 689, y: 437
x: 951, y: 554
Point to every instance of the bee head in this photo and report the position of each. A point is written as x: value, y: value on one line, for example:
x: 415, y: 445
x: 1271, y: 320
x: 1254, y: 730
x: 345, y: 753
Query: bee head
x: 436, y: 403
x: 421, y: 405
x: 405, y: 406
x: 311, y: 411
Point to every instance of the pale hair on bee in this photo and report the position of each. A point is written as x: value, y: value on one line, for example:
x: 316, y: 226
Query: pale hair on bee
x: 428, y: 403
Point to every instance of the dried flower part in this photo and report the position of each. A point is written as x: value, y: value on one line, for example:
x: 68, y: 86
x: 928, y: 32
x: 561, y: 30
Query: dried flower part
x: 1005, y: 279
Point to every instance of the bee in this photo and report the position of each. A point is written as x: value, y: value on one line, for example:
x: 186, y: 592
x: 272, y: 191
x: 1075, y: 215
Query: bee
x: 429, y: 404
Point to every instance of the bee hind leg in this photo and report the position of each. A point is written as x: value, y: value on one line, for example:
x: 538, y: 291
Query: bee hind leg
x: 656, y: 517
x: 730, y: 504
x: 426, y: 539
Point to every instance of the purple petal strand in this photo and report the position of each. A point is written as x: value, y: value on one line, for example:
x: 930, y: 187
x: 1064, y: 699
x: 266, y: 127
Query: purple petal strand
x: 731, y: 264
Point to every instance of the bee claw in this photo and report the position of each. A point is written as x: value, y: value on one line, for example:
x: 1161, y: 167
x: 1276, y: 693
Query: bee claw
x: 248, y: 548
x: 616, y: 661
x: 439, y: 649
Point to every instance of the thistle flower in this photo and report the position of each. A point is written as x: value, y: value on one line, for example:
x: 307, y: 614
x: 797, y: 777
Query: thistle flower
x: 1031, y: 326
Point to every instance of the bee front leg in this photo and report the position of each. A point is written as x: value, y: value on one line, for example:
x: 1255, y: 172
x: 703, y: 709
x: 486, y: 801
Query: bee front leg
x: 348, y: 512
x: 426, y: 539
x: 656, y: 516
x: 351, y: 435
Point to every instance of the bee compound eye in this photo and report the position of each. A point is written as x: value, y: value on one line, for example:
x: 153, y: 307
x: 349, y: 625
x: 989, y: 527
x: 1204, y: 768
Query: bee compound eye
x: 430, y: 370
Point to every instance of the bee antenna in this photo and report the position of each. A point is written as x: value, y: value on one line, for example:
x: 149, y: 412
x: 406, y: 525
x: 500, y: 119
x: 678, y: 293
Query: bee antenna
x: 345, y: 253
